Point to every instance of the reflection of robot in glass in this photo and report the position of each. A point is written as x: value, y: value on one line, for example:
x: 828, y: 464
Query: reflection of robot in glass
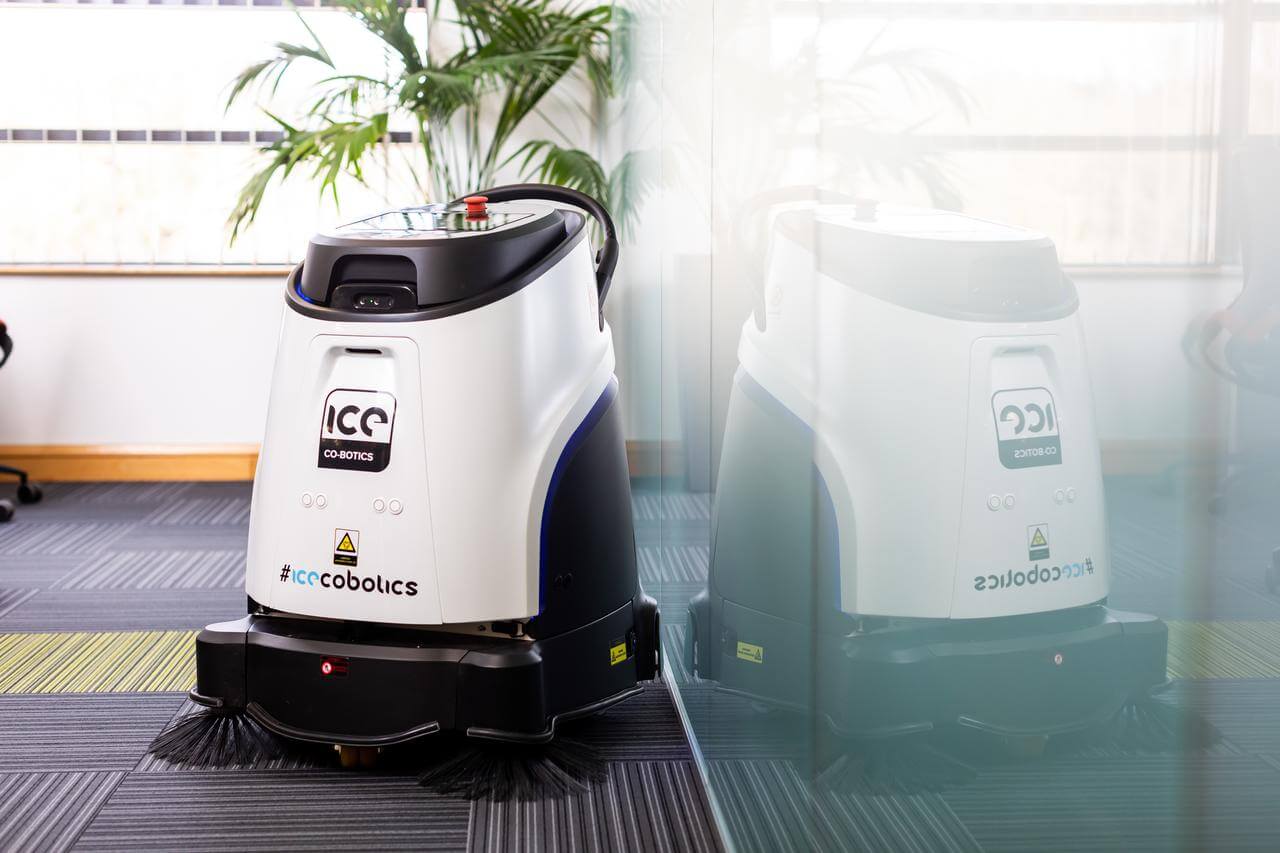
x: 909, y: 530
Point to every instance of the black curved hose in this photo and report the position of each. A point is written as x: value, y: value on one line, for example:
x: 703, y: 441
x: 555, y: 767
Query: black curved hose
x: 606, y: 258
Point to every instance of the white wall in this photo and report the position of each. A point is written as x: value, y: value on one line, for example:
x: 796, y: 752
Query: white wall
x: 137, y: 360
x: 1144, y: 386
x: 188, y: 360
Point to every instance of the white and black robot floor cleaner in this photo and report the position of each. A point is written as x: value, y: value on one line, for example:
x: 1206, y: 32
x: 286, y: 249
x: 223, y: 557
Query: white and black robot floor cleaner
x: 441, y: 534
x: 908, y: 529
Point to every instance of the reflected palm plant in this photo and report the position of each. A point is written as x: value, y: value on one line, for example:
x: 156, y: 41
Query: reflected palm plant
x: 859, y: 116
x: 466, y: 102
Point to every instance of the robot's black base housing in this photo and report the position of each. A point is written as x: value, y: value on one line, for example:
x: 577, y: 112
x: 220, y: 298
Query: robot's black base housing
x: 1040, y: 674
x: 359, y: 684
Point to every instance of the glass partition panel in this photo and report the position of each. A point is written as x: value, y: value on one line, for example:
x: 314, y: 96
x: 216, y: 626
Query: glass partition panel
x: 954, y: 333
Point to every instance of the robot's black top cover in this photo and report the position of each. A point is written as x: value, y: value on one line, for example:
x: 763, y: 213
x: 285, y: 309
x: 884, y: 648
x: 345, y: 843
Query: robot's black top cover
x: 432, y: 256
x: 935, y: 261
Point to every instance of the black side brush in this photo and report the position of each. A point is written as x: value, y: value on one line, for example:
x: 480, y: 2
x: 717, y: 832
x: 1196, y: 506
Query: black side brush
x: 212, y: 737
x: 477, y: 769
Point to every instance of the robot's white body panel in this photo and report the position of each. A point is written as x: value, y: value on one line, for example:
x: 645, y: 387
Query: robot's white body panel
x: 960, y: 456
x: 465, y: 548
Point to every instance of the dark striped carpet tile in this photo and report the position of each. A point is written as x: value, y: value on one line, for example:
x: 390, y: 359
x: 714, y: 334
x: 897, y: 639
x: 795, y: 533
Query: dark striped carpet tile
x: 48, y: 811
x: 1219, y: 649
x: 97, y: 662
x: 124, y: 609
x: 213, y: 511
x: 769, y: 806
x: 11, y: 598
x: 673, y: 506
x: 1138, y: 803
x: 22, y: 537
x: 680, y: 563
x: 279, y: 811
x: 169, y: 569
x: 82, y: 732
x: 1245, y: 711
x: 642, y: 806
x: 645, y: 727
x: 728, y: 726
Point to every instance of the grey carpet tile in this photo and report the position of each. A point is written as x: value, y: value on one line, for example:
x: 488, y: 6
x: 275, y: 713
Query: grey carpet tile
x: 1244, y: 710
x: 168, y: 569
x: 105, y: 494
x: 37, y: 572
x: 23, y: 537
x: 81, y: 731
x: 672, y: 506
x: 1137, y: 803
x: 276, y: 810
x: 680, y: 563
x: 194, y: 537
x: 206, y: 511
x: 11, y: 598
x: 673, y: 599
x: 642, y: 806
x: 124, y: 610
x: 1184, y: 598
x: 48, y: 811
x: 675, y: 667
x: 768, y: 806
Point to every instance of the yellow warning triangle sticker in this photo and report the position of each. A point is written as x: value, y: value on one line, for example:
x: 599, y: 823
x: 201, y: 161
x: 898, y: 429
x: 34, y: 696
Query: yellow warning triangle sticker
x: 1037, y: 539
x: 345, y: 544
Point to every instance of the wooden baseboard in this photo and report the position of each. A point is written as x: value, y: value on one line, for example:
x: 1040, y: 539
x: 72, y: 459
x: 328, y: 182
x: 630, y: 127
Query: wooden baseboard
x: 53, y: 463
x: 126, y: 462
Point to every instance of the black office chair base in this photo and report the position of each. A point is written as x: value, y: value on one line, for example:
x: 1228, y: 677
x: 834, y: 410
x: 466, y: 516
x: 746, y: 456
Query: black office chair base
x: 28, y: 492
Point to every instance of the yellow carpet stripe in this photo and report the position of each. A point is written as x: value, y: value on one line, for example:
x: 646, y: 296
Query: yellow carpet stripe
x: 97, y: 662
x: 152, y: 661
x: 1224, y: 649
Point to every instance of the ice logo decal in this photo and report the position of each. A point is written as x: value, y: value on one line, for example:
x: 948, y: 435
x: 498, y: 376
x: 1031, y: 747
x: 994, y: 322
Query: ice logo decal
x: 1026, y: 427
x: 355, y: 431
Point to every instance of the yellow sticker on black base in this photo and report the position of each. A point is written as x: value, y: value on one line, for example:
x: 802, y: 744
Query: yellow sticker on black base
x: 618, y: 653
x: 748, y: 652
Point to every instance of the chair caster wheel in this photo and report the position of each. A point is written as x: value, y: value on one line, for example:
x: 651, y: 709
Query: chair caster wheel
x: 6, y: 511
x: 30, y: 493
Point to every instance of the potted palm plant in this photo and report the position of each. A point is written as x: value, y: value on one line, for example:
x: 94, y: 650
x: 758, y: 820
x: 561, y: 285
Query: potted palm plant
x: 465, y: 89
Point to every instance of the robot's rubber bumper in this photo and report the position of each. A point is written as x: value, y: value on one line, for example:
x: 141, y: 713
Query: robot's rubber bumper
x: 332, y: 682
x: 1027, y: 675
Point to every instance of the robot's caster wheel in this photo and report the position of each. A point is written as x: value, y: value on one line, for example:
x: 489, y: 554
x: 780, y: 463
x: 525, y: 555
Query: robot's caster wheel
x: 1273, y: 573
x: 6, y: 511
x: 30, y: 493
x: 353, y: 757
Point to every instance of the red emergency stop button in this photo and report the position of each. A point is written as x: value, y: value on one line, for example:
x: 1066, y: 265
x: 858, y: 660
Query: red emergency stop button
x: 477, y: 206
